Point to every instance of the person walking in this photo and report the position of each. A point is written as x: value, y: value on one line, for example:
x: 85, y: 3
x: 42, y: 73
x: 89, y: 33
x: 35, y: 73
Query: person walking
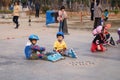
x: 97, y: 13
x: 92, y: 10
x: 37, y: 8
x: 16, y: 13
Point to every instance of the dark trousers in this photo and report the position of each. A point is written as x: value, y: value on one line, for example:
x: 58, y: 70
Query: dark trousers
x: 119, y: 34
x: 37, y: 13
x: 15, y: 20
x: 97, y: 22
x: 106, y: 18
x: 92, y: 15
x: 63, y: 26
x: 118, y: 41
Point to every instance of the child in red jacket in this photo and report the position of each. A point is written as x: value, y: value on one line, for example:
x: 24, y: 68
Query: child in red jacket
x: 97, y: 43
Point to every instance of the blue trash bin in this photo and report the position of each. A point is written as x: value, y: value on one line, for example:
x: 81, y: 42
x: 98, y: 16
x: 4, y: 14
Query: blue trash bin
x: 51, y: 17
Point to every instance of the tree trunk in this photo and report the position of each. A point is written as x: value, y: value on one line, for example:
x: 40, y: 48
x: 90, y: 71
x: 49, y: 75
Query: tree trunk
x: 5, y: 4
x: 0, y: 4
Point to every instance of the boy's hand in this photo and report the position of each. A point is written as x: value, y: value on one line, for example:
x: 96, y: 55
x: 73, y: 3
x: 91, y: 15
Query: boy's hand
x: 42, y: 49
x: 62, y: 51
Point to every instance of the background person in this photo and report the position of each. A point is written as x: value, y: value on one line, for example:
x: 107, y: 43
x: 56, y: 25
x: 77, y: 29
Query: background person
x: 62, y: 18
x: 37, y: 8
x: 97, y: 13
x: 106, y: 14
x: 92, y: 10
x: 16, y: 13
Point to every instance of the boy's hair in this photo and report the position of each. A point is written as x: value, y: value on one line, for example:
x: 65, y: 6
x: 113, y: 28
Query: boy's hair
x: 106, y: 10
x: 60, y: 35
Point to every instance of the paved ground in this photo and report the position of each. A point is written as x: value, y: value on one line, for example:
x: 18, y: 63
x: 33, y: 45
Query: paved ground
x: 88, y: 66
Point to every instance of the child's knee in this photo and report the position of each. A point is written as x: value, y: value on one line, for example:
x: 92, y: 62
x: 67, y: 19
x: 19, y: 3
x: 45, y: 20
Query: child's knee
x: 93, y: 47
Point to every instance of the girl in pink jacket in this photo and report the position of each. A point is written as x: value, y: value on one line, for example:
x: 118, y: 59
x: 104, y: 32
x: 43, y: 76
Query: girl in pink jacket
x: 62, y: 20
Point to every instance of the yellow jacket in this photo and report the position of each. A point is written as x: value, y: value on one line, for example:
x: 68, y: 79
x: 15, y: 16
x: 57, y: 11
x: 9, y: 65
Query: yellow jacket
x: 16, y: 10
x: 60, y: 46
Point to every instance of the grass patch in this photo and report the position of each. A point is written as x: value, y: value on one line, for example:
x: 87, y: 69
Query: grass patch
x: 6, y: 11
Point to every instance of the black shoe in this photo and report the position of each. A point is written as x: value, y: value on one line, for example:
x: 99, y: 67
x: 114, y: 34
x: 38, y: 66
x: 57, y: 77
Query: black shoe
x: 17, y: 26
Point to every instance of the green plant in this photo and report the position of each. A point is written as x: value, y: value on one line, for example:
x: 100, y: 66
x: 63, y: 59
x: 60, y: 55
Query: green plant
x: 6, y: 11
x: 116, y: 11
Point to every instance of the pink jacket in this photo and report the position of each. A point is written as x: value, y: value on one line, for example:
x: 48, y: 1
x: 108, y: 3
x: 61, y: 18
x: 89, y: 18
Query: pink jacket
x: 62, y: 15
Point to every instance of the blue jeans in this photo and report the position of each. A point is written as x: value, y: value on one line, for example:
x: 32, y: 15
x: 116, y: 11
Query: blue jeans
x: 61, y: 26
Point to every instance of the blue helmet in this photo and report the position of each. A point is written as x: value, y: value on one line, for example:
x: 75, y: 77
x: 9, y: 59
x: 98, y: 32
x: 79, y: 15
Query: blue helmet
x: 60, y: 34
x: 32, y: 36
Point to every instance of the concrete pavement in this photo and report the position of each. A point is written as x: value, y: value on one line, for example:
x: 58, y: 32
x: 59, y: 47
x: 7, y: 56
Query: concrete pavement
x: 88, y: 66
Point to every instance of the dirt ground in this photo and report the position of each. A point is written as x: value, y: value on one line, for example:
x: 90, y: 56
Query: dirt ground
x: 83, y: 21
x: 76, y: 20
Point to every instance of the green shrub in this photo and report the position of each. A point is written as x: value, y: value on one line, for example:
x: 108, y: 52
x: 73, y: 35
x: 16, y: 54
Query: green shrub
x: 116, y: 11
x: 6, y: 11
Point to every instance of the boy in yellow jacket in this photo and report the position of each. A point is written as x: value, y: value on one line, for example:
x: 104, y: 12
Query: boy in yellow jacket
x: 61, y: 47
